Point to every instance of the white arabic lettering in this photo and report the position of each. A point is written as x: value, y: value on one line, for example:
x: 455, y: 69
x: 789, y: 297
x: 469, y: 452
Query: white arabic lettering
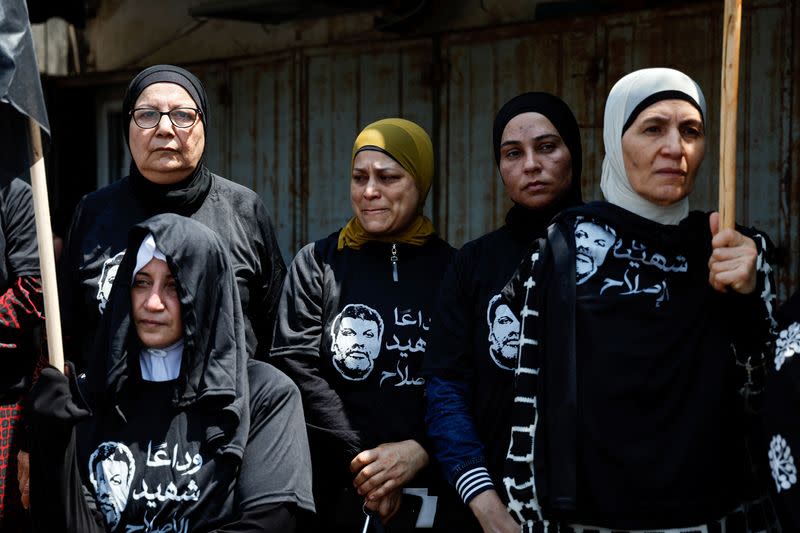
x: 162, y: 458
x: 192, y: 493
x: 638, y: 252
x: 404, y: 376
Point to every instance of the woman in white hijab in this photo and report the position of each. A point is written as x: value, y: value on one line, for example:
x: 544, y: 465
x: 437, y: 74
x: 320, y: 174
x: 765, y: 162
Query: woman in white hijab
x: 643, y: 333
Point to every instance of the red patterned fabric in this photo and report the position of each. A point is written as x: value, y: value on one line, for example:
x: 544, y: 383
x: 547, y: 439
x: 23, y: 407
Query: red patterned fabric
x: 11, y: 511
x: 20, y: 304
x: 21, y: 308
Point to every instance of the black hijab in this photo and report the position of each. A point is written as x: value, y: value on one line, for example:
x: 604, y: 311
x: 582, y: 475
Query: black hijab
x: 527, y: 222
x: 188, y: 194
x: 213, y: 374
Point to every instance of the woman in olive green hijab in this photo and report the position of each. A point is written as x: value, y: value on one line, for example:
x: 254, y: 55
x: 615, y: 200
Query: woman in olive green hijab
x: 401, y: 154
x: 352, y: 328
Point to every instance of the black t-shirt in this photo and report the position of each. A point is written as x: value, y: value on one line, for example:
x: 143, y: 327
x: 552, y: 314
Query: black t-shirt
x: 476, y: 337
x: 660, y: 423
x: 150, y: 471
x: 18, y: 245
x: 365, y: 332
x: 98, y: 237
x: 358, y: 338
x: 20, y: 258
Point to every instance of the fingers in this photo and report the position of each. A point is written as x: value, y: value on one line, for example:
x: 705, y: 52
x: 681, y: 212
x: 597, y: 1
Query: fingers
x: 729, y: 238
x: 732, y: 254
x: 387, y: 467
x: 370, y: 463
x: 365, y: 466
x: 25, y: 497
x: 362, y: 459
x: 388, y: 506
x: 733, y: 262
x: 381, y: 491
x: 732, y: 274
x: 369, y: 480
x: 23, y: 477
x: 713, y: 222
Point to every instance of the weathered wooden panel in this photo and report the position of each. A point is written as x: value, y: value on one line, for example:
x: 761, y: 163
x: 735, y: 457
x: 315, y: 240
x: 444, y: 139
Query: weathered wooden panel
x: 263, y: 135
x: 790, y: 167
x: 214, y: 78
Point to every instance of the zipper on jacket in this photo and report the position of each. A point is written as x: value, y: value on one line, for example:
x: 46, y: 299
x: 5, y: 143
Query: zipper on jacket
x: 395, y: 277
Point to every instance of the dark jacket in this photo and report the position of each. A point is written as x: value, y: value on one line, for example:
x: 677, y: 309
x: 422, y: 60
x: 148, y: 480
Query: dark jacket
x: 353, y: 340
x: 98, y: 236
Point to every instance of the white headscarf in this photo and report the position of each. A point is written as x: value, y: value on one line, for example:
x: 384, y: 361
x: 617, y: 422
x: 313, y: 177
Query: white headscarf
x: 157, y: 364
x: 629, y: 97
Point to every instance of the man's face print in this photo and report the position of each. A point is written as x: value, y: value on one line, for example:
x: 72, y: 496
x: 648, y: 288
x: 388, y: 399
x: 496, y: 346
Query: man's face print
x: 106, y: 281
x: 503, y: 335
x: 356, y: 345
x: 111, y: 479
x: 592, y: 243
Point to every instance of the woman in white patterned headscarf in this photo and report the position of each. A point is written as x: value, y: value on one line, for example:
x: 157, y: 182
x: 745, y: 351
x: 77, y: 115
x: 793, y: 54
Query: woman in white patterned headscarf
x: 643, y: 328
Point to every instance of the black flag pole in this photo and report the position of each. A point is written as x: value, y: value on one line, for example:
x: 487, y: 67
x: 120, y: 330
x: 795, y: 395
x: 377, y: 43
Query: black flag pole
x: 23, y: 117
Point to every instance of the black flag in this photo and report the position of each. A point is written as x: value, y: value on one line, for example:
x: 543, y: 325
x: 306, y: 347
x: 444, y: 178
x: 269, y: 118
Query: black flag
x: 20, y: 88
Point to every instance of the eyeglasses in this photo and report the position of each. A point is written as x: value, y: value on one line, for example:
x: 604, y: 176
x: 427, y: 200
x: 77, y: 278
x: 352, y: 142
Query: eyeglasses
x: 181, y: 117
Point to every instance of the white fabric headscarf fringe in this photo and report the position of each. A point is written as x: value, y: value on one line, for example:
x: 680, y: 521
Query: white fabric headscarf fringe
x: 157, y: 364
x: 623, y: 99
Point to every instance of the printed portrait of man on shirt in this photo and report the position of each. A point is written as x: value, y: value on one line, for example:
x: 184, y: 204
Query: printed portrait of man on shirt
x: 592, y: 243
x: 111, y: 469
x: 356, y: 335
x: 106, y: 281
x: 503, y: 333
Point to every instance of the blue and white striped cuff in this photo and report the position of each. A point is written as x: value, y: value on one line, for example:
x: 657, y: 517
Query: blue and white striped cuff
x: 473, y: 482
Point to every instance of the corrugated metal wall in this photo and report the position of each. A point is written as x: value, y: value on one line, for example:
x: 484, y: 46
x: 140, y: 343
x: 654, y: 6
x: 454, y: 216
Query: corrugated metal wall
x: 284, y: 125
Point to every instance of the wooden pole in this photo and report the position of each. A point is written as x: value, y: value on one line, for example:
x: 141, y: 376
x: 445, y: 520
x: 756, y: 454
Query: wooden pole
x: 728, y: 107
x: 44, y: 238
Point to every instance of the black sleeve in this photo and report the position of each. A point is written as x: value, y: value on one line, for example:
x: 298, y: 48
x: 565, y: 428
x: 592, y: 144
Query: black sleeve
x: 19, y: 228
x: 59, y: 500
x: 69, y: 290
x: 753, y: 325
x: 276, y: 467
x: 450, y: 355
x: 295, y: 350
x: 270, y: 518
x: 264, y: 298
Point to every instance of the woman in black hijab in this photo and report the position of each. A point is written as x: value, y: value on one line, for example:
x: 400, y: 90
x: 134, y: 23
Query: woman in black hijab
x: 175, y: 429
x: 473, y: 352
x: 167, y: 116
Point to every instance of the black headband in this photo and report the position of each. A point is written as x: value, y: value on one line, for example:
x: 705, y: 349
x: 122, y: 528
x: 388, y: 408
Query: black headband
x: 556, y: 111
x: 164, y: 74
x: 657, y: 97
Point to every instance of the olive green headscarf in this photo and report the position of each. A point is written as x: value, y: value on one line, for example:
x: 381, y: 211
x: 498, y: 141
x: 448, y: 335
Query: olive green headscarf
x: 411, y: 147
